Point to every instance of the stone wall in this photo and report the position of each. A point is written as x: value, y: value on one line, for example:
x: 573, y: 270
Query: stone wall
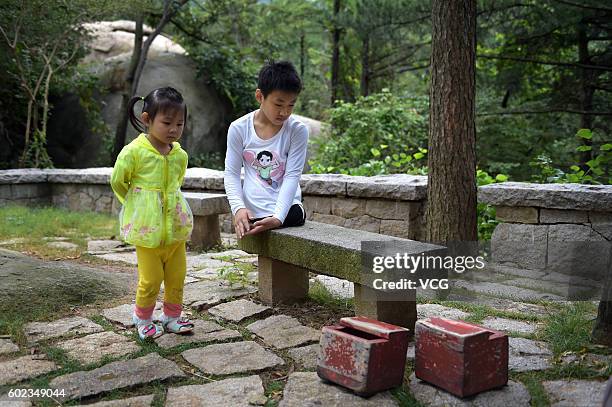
x: 391, y: 205
x: 565, y: 228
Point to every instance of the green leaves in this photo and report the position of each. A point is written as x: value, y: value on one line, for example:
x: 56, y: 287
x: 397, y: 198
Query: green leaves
x: 585, y: 134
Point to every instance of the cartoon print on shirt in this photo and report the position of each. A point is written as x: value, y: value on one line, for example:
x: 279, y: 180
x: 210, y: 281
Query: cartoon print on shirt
x: 269, y: 169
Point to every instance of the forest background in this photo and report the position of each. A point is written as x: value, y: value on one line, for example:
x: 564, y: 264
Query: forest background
x: 543, y: 88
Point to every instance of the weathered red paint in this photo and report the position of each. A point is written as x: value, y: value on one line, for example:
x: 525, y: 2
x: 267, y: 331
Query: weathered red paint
x: 462, y: 358
x: 363, y: 354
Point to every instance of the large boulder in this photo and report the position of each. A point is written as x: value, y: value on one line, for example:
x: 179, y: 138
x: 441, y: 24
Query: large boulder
x: 70, y: 139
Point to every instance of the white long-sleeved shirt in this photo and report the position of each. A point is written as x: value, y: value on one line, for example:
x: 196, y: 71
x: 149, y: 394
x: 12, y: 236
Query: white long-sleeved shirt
x: 272, y: 167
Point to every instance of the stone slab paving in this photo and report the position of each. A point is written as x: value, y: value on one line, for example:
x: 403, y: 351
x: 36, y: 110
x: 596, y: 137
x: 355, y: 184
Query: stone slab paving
x: 307, y: 356
x: 514, y: 394
x: 125, y: 257
x: 574, y: 393
x: 510, y: 325
x: 202, y: 261
x: 106, y: 246
x: 39, y: 331
x: 139, y: 401
x: 503, y: 304
x: 93, y: 348
x: 17, y: 240
x: 228, y: 358
x: 63, y: 245
x: 238, y: 310
x: 562, y: 289
x: 204, y: 331
x: 235, y: 392
x: 122, y: 314
x: 507, y: 291
x: 205, y: 294
x: 25, y: 367
x: 6, y: 401
x: 117, y: 375
x: 234, y: 254
x: 306, y: 389
x: 591, y: 359
x: 208, y: 274
x: 283, y: 331
x: 7, y: 346
x: 437, y: 310
x: 527, y: 355
x: 249, y: 260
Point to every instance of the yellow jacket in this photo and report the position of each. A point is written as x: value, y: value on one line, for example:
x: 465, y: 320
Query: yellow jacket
x: 147, y: 183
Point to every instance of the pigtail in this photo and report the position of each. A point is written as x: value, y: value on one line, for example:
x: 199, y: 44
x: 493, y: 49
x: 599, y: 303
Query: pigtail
x: 136, y: 123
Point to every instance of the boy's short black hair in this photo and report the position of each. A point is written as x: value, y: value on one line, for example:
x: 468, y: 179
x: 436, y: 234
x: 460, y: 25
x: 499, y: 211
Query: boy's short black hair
x: 279, y: 76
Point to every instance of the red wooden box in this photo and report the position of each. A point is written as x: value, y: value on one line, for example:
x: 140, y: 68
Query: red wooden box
x: 462, y: 358
x: 363, y: 354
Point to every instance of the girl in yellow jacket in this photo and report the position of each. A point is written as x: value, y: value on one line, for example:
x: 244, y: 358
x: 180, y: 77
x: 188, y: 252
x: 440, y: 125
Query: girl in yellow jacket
x: 155, y: 217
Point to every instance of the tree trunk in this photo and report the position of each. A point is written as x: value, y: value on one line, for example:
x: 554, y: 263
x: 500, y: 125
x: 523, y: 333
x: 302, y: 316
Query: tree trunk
x: 302, y: 54
x: 451, y: 191
x: 126, y: 95
x: 335, y: 63
x: 135, y: 73
x: 365, y: 66
x: 602, y: 331
x: 587, y: 91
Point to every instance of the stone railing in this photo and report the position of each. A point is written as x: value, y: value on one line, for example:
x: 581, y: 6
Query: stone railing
x: 561, y: 227
x: 392, y: 205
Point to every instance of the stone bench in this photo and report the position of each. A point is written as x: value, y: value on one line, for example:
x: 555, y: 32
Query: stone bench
x: 206, y: 209
x: 287, y: 255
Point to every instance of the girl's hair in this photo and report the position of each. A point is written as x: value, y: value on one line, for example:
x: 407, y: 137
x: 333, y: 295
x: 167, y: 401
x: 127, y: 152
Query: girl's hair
x: 158, y: 101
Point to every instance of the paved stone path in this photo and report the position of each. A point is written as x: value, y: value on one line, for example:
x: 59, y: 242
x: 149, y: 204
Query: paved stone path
x: 237, y: 342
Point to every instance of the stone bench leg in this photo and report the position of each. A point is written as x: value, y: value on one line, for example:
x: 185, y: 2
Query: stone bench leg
x: 370, y: 303
x: 206, y: 233
x: 281, y: 282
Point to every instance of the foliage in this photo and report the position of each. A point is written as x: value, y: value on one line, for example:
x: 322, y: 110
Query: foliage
x: 486, y: 213
x: 230, y: 76
x: 45, y: 40
x: 594, y: 171
x: 373, y: 135
x: 213, y: 160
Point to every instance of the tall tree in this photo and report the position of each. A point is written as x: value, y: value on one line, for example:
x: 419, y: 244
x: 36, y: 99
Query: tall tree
x: 451, y: 191
x: 137, y: 63
x: 43, y: 39
x: 335, y: 62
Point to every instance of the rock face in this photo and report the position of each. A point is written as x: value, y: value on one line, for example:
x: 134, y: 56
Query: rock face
x: 70, y: 140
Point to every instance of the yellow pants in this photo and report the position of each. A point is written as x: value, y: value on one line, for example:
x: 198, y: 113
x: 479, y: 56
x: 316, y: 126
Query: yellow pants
x: 167, y: 264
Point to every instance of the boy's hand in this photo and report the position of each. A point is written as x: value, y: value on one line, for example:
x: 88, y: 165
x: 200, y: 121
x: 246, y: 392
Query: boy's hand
x: 265, y: 224
x: 242, y: 222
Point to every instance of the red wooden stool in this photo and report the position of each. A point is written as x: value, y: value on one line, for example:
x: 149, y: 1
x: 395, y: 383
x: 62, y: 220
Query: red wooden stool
x: 363, y: 354
x: 462, y: 358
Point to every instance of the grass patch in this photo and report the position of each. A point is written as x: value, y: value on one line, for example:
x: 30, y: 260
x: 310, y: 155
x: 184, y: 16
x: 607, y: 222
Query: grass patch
x: 321, y: 295
x: 33, y: 227
x: 569, y: 328
x: 274, y: 391
x: 35, y: 223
